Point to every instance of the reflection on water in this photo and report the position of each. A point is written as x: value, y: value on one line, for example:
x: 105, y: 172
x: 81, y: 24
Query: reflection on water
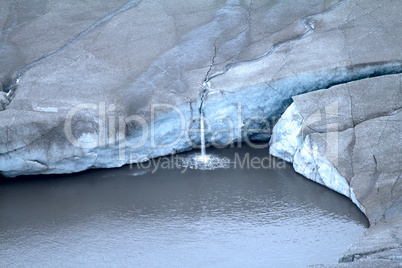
x: 174, y: 217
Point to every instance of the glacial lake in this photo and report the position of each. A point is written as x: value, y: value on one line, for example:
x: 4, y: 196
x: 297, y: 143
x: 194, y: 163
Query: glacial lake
x: 142, y: 216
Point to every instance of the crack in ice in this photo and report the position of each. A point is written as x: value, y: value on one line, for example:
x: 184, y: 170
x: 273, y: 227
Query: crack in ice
x: 305, y: 21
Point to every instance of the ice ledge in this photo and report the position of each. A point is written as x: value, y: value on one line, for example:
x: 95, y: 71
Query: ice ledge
x: 287, y: 143
x: 347, y: 138
x: 286, y: 135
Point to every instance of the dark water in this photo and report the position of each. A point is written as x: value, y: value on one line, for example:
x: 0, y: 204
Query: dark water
x: 236, y: 217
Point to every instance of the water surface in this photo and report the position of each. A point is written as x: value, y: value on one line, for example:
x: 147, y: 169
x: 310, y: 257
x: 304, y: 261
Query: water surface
x: 132, y: 216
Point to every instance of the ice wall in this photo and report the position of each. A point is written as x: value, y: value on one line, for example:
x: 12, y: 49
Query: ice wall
x: 347, y: 138
x: 322, y: 134
x: 254, y: 56
x: 289, y: 143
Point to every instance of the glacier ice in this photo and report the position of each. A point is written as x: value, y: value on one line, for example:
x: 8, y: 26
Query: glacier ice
x: 362, y: 163
x: 253, y: 59
x: 286, y: 135
x: 289, y: 144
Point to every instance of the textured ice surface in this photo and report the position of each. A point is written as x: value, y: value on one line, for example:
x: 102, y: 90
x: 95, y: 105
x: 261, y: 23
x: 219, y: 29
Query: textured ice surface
x: 256, y: 56
x: 286, y: 135
x: 288, y: 143
x: 348, y: 139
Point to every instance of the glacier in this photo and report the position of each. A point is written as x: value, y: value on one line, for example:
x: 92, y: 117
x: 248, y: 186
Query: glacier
x: 124, y: 81
x: 288, y: 143
x: 344, y: 142
x: 243, y: 116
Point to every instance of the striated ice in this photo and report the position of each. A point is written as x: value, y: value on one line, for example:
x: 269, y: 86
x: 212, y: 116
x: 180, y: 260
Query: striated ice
x: 286, y: 135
